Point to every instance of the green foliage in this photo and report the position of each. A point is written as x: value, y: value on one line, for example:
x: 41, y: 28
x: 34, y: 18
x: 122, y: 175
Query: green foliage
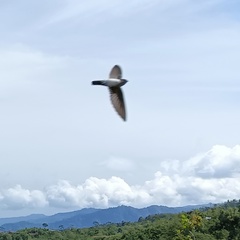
x: 221, y: 222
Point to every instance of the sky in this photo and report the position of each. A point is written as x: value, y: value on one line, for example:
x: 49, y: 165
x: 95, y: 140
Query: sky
x: 62, y: 145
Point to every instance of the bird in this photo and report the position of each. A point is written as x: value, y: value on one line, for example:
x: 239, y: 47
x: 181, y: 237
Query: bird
x: 114, y: 84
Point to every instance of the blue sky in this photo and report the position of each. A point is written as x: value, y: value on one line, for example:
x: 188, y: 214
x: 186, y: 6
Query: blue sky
x: 63, y: 147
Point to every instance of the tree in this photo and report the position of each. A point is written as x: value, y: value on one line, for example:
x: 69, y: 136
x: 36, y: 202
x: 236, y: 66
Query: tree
x: 45, y: 225
x: 61, y: 227
x: 189, y: 224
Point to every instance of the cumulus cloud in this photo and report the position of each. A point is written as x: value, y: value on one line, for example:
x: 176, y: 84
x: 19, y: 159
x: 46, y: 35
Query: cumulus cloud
x: 94, y: 192
x: 207, y: 177
x: 18, y: 197
x: 218, y: 162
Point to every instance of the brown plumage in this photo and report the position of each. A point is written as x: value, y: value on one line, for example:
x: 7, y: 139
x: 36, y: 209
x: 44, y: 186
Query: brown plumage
x: 116, y: 72
x: 117, y: 100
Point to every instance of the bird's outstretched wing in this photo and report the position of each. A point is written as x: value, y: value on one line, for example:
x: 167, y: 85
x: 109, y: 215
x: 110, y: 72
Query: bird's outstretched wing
x: 117, y: 100
x: 116, y: 72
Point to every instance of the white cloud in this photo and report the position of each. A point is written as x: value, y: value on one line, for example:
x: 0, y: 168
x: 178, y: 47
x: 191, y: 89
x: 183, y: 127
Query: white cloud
x: 94, y: 192
x: 64, y: 194
x: 219, y: 162
x: 175, y: 184
x: 18, y: 197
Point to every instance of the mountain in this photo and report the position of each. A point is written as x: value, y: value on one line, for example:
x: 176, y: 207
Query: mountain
x: 90, y: 216
x: 68, y: 215
x: 30, y: 218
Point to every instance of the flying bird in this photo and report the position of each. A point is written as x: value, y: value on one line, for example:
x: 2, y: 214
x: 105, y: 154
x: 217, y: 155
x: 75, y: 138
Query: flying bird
x: 114, y: 84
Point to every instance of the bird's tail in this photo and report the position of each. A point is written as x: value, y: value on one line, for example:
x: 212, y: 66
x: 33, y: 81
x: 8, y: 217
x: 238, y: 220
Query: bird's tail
x: 98, y: 82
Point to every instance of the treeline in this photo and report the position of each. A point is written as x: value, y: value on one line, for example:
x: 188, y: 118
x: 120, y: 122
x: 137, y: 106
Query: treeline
x: 221, y: 222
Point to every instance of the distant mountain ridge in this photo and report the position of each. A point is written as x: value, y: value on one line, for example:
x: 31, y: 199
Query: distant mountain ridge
x: 88, y: 217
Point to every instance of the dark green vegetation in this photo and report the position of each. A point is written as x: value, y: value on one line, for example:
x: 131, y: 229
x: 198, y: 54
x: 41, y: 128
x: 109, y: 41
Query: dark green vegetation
x: 221, y: 222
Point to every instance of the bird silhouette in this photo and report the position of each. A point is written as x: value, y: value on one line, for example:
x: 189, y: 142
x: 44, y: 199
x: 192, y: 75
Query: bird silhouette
x: 114, y: 83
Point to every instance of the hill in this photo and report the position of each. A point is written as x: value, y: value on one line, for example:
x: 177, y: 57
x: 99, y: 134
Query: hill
x: 89, y: 217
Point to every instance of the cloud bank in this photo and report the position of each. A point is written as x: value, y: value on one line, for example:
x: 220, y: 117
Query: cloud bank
x: 212, y: 176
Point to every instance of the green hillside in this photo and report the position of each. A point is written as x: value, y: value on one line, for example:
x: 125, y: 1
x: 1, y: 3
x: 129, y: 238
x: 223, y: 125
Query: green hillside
x: 220, y: 222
